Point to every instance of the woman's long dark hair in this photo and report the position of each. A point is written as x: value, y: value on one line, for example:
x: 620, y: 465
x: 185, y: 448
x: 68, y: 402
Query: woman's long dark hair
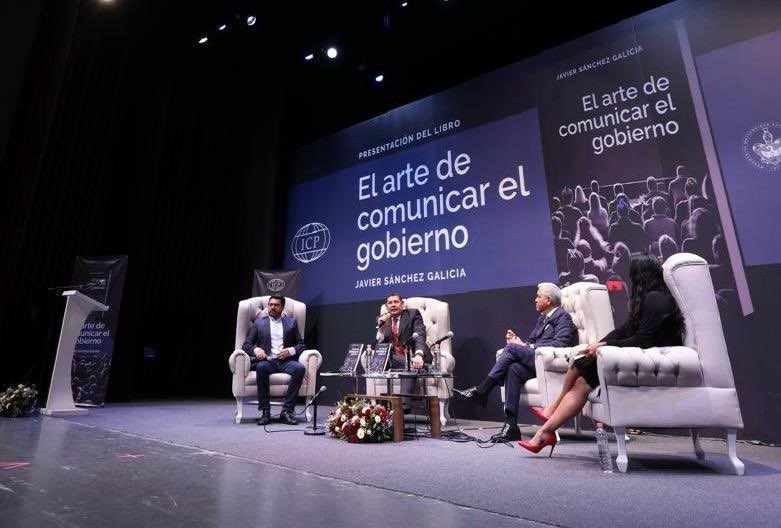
x: 645, y: 274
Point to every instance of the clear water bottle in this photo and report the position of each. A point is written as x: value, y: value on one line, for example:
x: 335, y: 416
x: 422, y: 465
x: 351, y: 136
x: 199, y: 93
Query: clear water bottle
x: 605, y: 462
x: 436, y: 365
x: 369, y: 357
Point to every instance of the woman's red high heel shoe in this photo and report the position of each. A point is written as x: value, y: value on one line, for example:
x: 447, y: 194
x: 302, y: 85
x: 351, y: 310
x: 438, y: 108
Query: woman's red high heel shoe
x: 539, y: 414
x: 550, y: 440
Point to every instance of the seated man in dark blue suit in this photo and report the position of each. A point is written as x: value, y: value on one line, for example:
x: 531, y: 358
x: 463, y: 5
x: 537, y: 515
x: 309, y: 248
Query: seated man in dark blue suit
x: 515, y: 365
x: 272, y: 344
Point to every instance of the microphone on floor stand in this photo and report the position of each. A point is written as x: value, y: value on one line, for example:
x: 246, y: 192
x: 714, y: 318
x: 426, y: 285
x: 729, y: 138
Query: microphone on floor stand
x: 443, y: 338
x: 410, y: 344
x: 316, y: 431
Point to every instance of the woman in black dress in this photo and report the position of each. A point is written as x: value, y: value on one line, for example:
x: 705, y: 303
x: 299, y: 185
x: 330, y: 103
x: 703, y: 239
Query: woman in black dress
x: 654, y: 320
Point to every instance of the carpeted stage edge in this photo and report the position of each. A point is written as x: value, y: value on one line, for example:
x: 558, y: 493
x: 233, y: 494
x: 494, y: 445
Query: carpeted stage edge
x: 665, y: 484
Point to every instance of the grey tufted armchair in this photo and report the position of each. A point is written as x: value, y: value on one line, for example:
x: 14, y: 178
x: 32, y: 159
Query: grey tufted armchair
x: 589, y: 306
x: 243, y: 379
x: 688, y: 386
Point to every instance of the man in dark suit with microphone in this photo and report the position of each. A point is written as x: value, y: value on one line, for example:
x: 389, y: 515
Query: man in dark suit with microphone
x: 515, y: 365
x: 272, y: 344
x: 401, y: 328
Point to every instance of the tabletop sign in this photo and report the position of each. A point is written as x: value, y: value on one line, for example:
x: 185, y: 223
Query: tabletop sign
x: 352, y: 358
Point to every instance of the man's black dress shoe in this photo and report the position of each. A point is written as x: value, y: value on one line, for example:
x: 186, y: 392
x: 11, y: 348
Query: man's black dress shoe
x: 472, y: 395
x: 286, y: 417
x: 265, y: 418
x: 509, y: 433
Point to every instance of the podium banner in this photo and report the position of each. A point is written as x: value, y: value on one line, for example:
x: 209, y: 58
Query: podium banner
x: 276, y: 282
x: 102, y: 279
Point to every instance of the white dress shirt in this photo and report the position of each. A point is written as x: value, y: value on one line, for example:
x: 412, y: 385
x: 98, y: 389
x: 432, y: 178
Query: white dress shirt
x: 277, y: 338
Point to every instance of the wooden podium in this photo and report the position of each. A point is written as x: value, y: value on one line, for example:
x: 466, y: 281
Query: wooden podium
x: 77, y: 308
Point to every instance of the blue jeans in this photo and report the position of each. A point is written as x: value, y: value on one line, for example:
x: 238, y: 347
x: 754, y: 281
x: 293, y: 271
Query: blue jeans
x: 266, y: 368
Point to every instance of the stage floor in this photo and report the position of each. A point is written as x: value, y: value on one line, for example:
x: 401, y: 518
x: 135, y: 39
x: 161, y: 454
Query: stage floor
x: 185, y: 463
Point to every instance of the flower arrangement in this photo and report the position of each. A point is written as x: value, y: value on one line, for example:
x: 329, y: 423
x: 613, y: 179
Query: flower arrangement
x: 18, y: 401
x: 360, y: 421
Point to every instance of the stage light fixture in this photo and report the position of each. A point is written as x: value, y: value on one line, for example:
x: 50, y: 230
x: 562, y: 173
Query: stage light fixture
x: 379, y: 78
x: 404, y: 4
x: 309, y: 57
x: 332, y: 52
x: 251, y: 20
x: 203, y: 40
x: 223, y: 27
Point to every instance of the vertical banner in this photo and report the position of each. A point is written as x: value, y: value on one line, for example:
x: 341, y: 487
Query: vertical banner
x: 276, y: 282
x: 101, y: 278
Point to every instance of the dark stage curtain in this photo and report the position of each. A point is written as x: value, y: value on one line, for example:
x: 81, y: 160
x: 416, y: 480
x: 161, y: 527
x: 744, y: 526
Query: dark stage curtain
x: 127, y: 139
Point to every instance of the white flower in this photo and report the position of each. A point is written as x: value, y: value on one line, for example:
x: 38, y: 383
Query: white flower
x: 337, y: 429
x: 355, y: 419
x: 368, y: 432
x: 361, y: 433
x: 377, y: 419
x: 363, y: 422
x: 344, y: 418
x: 365, y: 408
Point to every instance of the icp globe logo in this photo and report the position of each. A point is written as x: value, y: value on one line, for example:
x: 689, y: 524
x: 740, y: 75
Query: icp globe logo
x: 276, y: 284
x: 310, y: 242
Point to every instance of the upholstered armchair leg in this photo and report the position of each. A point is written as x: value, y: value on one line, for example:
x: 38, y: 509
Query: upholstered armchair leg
x: 444, y: 412
x: 577, y: 425
x: 621, y: 460
x: 698, y: 450
x: 239, y: 409
x: 737, y: 465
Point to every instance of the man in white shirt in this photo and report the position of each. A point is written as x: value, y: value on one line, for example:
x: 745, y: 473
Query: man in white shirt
x: 273, y: 344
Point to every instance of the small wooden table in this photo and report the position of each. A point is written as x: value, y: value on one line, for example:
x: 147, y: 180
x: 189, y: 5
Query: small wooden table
x: 398, y: 411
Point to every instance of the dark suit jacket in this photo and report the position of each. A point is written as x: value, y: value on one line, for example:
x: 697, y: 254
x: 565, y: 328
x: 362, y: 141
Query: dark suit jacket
x: 410, y: 321
x: 557, y: 331
x: 259, y: 335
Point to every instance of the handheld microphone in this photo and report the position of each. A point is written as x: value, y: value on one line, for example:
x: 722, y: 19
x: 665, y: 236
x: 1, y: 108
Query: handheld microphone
x: 381, y: 320
x: 443, y: 338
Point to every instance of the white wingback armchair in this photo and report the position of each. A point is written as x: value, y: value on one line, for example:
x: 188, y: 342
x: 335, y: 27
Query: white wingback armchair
x: 589, y: 306
x: 436, y: 317
x: 244, y: 384
x: 688, y: 386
